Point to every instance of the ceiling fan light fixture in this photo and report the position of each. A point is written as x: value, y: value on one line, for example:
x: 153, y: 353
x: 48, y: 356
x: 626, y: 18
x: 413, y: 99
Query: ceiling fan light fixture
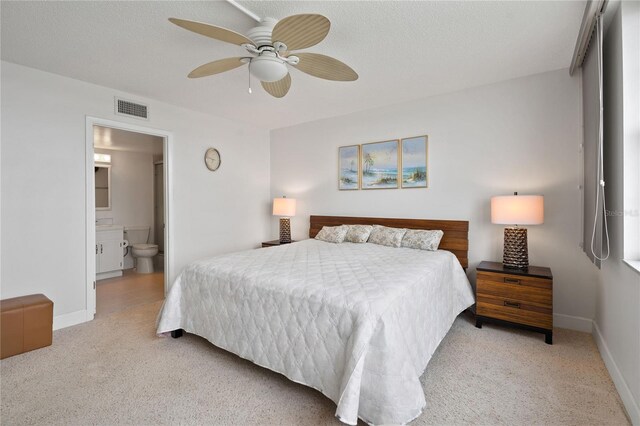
x: 267, y: 67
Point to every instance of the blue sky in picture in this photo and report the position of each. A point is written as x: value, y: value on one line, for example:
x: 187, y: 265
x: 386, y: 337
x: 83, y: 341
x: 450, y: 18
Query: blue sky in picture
x: 385, y: 154
x: 348, y: 153
x: 414, y: 152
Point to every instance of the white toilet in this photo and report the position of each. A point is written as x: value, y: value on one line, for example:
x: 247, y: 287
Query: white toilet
x: 141, y: 251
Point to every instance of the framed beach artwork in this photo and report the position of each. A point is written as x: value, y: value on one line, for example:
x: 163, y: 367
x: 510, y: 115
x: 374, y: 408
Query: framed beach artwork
x: 349, y: 167
x: 414, y: 162
x: 379, y: 162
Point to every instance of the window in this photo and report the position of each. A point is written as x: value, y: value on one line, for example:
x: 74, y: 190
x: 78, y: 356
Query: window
x: 629, y: 18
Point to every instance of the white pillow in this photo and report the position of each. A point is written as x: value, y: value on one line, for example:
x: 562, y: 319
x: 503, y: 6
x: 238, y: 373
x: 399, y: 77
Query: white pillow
x: 358, y: 233
x: 422, y: 239
x: 332, y: 234
x: 386, y: 236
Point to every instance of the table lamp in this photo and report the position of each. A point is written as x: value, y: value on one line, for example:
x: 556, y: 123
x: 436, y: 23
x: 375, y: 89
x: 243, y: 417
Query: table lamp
x: 516, y: 210
x: 286, y: 208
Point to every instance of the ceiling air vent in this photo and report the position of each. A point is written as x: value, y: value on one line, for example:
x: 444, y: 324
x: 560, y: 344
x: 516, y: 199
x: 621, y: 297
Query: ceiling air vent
x: 131, y: 109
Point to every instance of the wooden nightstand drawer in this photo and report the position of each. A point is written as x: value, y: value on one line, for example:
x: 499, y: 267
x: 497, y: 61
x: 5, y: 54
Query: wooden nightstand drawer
x: 520, y: 312
x: 525, y: 289
x: 515, y: 280
x: 522, y: 298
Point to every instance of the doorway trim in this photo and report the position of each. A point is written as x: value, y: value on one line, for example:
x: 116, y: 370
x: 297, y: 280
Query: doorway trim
x: 167, y: 147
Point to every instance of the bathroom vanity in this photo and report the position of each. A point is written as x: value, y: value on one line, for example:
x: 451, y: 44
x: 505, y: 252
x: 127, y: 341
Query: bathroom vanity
x: 109, y: 251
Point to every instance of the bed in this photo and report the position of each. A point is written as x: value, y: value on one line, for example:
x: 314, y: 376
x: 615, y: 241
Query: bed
x: 358, y: 322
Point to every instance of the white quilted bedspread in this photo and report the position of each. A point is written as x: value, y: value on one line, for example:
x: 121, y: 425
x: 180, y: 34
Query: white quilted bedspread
x: 358, y: 322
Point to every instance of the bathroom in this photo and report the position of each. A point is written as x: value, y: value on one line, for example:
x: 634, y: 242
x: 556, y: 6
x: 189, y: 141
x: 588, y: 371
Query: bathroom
x: 129, y: 202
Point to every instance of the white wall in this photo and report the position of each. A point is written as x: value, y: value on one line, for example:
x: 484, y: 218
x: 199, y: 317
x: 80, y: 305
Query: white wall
x: 519, y: 135
x: 43, y: 183
x: 617, y: 316
x: 131, y: 188
x: 131, y: 192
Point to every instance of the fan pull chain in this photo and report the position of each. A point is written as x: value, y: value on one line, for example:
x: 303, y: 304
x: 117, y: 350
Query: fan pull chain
x: 250, y: 77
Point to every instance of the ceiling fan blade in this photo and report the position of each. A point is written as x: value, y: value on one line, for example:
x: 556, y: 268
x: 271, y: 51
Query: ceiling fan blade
x: 216, y: 67
x: 301, y: 31
x: 278, y: 88
x: 212, y: 31
x: 326, y: 67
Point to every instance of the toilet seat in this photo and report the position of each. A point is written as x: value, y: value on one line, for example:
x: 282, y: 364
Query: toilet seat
x: 144, y: 250
x: 144, y: 246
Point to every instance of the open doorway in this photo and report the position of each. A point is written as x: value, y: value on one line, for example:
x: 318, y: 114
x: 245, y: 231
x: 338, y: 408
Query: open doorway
x: 127, y: 202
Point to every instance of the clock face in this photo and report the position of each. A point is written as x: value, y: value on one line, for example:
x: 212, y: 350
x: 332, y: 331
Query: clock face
x: 212, y: 159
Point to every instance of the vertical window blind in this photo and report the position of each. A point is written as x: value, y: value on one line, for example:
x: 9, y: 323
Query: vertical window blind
x: 586, y: 56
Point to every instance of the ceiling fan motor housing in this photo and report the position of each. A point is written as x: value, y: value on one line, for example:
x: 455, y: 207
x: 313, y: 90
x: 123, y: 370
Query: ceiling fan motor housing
x: 261, y: 35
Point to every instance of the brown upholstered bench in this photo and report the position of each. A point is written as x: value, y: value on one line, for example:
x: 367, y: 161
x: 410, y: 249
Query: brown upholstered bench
x: 25, y: 324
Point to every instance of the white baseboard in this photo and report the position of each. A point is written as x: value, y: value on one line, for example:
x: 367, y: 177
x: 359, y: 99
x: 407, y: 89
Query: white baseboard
x: 618, y: 380
x: 573, y: 323
x: 72, y: 318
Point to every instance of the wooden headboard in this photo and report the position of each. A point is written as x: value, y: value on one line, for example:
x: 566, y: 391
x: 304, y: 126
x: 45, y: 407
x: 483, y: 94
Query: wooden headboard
x: 455, y: 238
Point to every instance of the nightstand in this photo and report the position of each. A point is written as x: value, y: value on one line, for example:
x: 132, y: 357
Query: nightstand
x: 522, y: 298
x: 274, y: 243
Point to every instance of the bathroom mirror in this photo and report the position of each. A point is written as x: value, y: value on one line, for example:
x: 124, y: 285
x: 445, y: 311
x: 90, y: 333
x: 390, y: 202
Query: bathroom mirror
x: 103, y: 187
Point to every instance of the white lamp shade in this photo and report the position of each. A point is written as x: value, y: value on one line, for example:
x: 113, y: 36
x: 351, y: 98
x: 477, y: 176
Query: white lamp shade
x: 284, y: 207
x: 517, y: 210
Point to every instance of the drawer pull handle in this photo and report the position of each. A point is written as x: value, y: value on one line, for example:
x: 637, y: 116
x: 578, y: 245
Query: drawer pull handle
x: 512, y: 281
x: 511, y: 304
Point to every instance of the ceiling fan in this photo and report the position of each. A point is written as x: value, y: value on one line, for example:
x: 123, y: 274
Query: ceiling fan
x: 271, y: 44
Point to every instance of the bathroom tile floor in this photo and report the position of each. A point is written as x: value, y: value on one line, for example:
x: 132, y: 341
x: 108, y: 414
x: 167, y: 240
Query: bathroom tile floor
x: 129, y: 290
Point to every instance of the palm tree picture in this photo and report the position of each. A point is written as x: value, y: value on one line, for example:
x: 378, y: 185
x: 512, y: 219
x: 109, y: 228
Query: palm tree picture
x: 380, y: 161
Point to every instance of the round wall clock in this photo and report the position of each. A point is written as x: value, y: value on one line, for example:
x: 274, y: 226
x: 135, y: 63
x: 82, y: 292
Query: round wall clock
x: 212, y: 159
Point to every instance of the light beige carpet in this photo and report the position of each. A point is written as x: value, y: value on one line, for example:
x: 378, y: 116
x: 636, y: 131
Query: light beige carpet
x: 114, y: 370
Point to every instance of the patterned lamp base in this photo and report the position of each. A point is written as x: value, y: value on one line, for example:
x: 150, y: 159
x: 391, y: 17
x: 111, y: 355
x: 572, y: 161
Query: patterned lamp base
x: 285, y: 230
x: 516, y: 253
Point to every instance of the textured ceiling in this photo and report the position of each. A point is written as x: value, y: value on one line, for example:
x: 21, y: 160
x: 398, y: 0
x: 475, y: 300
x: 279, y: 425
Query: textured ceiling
x: 401, y: 50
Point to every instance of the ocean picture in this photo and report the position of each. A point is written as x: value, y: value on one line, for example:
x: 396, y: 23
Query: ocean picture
x: 348, y: 161
x: 414, y: 162
x: 379, y: 164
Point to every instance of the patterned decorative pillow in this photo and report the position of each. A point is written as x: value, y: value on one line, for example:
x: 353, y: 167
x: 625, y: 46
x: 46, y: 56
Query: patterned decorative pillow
x: 358, y: 233
x: 422, y: 239
x: 333, y: 234
x: 386, y: 236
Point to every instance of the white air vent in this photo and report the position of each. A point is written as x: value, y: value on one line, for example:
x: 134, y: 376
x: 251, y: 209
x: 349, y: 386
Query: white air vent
x: 131, y: 109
